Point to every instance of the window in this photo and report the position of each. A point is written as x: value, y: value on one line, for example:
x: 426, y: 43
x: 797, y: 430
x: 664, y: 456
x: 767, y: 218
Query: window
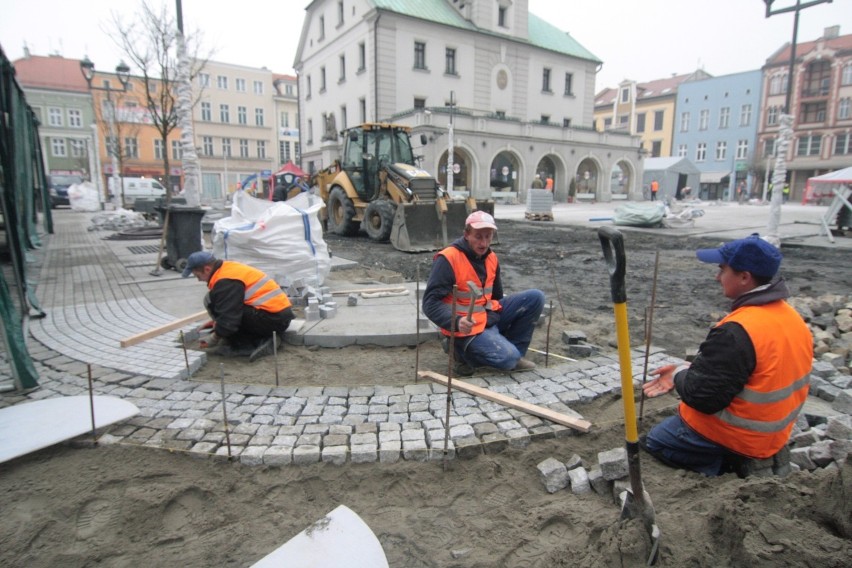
x: 684, y: 122
x: 284, y: 151
x: 566, y: 123
x: 206, y: 112
x: 721, y: 150
x: 778, y: 84
x: 78, y: 148
x: 843, y: 108
x: 419, y: 55
x: 742, y: 149
x: 362, y: 110
x: 322, y: 80
x: 545, y: 80
x: 258, y: 87
x: 285, y: 120
x: 502, y: 16
x: 261, y: 149
x: 843, y: 144
x: 131, y: 147
x: 681, y: 151
x: 311, y: 130
x: 625, y: 94
x: 607, y: 123
x: 240, y: 85
x: 419, y: 103
x: 817, y: 80
x: 343, y: 118
x: 704, y: 119
x: 242, y: 115
x: 745, y: 115
x: 640, y: 122
x: 813, y: 112
x: 177, y: 151
x: 340, y: 13
x: 846, y: 75
x: 57, y: 147
x: 769, y: 148
x: 54, y: 117
x: 204, y: 79
x: 701, y: 152
x: 322, y: 27
x: 308, y: 94
x: 224, y: 113
x: 450, y: 61
x: 658, y: 120
x: 112, y: 146
x: 222, y: 82
x: 772, y: 116
x: 258, y: 117
x: 724, y: 117
x: 158, y: 149
x: 545, y: 119
x: 226, y: 147
x: 623, y: 120
x: 809, y: 145
x: 362, y: 56
x: 75, y: 118
x: 342, y: 69
x: 244, y: 153
x: 656, y: 148
x: 569, y: 85
x: 288, y: 90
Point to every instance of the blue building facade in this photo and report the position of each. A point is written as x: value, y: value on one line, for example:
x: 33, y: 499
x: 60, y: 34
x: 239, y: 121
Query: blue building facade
x: 716, y: 122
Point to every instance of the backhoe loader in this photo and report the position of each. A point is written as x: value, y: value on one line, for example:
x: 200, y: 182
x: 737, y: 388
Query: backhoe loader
x: 376, y: 186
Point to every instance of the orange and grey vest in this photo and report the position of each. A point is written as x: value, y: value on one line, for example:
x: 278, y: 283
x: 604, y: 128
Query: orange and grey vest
x: 758, y: 421
x: 464, y: 273
x: 262, y: 292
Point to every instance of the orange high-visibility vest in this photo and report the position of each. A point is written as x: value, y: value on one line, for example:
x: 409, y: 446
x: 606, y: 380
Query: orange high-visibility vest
x: 262, y: 292
x: 758, y: 421
x: 465, y: 272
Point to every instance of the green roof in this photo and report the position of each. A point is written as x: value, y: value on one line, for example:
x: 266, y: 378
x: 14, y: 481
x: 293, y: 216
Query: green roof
x: 541, y: 34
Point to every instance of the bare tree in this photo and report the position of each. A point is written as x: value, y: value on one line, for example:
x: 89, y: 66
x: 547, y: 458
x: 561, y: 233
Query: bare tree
x: 151, y: 41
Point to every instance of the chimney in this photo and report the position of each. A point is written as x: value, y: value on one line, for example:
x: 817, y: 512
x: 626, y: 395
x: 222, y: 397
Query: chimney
x: 831, y: 32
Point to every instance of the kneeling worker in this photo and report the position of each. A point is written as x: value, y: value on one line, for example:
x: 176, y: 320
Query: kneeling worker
x: 246, y: 305
x: 499, y: 329
x: 741, y: 395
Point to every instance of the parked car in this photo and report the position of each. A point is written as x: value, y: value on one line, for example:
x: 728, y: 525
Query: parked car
x: 58, y: 188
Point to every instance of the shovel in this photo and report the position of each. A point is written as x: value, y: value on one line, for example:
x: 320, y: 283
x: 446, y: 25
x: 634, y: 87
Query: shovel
x: 637, y: 504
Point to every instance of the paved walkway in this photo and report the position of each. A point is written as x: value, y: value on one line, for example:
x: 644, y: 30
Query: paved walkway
x: 97, y: 291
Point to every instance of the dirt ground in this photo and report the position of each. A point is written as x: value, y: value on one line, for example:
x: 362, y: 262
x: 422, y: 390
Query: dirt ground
x: 127, y: 506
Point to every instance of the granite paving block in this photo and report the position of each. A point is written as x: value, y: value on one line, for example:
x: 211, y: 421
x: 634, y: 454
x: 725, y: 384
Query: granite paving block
x: 335, y: 455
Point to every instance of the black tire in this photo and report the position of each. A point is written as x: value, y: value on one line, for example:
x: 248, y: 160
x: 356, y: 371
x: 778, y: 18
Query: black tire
x: 378, y: 219
x: 180, y: 264
x: 164, y: 263
x: 341, y: 214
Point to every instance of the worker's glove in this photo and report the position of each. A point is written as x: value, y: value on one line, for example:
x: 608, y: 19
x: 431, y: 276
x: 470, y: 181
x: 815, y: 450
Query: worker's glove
x: 210, y: 342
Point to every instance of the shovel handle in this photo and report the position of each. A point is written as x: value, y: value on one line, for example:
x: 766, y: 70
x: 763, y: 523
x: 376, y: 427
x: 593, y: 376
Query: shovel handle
x: 612, y: 243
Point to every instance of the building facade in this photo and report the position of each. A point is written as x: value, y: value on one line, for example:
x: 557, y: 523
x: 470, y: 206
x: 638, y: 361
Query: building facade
x: 518, y: 92
x: 820, y: 103
x: 716, y: 129
x: 287, y: 112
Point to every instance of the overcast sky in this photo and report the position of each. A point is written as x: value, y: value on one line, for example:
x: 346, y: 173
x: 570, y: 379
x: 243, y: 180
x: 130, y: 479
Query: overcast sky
x: 636, y: 39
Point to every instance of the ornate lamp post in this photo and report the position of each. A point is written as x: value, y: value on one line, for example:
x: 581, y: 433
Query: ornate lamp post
x: 122, y: 71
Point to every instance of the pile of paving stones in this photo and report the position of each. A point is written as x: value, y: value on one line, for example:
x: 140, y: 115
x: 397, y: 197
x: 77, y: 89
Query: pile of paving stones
x: 830, y: 319
x: 608, y: 477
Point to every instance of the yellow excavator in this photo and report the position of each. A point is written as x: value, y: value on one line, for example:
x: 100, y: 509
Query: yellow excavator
x: 376, y: 186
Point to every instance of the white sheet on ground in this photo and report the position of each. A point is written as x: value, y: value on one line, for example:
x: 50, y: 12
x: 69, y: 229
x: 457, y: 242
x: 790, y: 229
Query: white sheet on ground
x: 84, y: 197
x: 639, y: 214
x: 281, y: 238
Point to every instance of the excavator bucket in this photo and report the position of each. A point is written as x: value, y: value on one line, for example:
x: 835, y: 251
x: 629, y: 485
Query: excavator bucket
x: 419, y: 227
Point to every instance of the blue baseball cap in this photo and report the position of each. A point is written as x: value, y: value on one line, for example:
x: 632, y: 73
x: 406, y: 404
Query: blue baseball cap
x: 751, y: 254
x: 197, y: 260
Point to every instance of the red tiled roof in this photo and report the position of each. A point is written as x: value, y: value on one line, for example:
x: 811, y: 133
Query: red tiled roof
x: 841, y: 43
x: 655, y: 88
x: 52, y: 72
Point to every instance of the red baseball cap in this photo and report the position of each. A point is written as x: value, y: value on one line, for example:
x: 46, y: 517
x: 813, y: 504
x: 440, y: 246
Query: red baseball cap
x: 480, y: 220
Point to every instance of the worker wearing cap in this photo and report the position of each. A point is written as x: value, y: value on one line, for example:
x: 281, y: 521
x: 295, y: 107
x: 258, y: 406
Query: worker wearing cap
x: 741, y: 395
x: 246, y: 305
x: 499, y: 329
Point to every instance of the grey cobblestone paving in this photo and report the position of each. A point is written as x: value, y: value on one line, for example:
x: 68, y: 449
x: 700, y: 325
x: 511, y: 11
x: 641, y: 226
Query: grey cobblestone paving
x: 87, y: 314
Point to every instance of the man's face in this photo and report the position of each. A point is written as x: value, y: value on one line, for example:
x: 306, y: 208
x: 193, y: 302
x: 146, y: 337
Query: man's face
x: 479, y: 239
x: 203, y: 273
x: 734, y: 283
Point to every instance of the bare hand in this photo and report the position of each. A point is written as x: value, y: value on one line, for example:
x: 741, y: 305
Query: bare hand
x: 465, y: 325
x: 662, y: 384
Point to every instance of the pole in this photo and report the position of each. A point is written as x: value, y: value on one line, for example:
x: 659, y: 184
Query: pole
x: 97, y: 173
x: 117, y: 189
x: 225, y: 410
x: 450, y: 374
x: 450, y: 157
x: 766, y: 180
x: 92, y: 404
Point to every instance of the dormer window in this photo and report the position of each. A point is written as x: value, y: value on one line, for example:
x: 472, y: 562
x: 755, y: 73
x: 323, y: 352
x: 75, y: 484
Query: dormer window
x: 625, y: 94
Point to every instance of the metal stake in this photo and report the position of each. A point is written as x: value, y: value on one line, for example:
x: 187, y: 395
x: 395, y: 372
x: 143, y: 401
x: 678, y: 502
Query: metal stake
x: 558, y: 295
x: 225, y: 410
x: 547, y: 337
x: 185, y: 356
x: 649, y: 322
x: 417, y: 322
x: 452, y: 351
x: 92, y: 404
x: 275, y: 354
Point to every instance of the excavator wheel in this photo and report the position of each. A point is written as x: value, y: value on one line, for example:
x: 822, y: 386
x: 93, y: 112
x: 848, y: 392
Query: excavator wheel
x: 378, y: 219
x: 341, y: 212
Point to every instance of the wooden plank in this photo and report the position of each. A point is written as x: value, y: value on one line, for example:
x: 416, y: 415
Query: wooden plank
x: 535, y: 410
x: 140, y: 337
x: 398, y: 288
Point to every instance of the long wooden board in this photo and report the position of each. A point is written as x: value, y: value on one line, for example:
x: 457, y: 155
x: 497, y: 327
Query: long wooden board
x: 529, y: 408
x: 154, y: 332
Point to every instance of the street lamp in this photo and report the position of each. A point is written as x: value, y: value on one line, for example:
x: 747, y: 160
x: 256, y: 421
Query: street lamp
x: 122, y: 71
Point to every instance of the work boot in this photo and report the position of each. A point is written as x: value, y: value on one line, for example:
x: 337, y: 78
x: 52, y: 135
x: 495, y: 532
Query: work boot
x: 462, y: 369
x: 267, y: 347
x: 524, y: 365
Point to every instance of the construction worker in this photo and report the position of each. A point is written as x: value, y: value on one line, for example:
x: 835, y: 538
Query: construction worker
x: 537, y: 183
x: 741, y: 395
x: 655, y: 187
x: 246, y: 306
x: 495, y: 331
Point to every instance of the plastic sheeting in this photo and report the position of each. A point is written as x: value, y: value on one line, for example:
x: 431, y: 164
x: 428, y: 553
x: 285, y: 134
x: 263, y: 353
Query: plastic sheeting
x: 640, y: 215
x: 83, y: 197
x: 283, y: 238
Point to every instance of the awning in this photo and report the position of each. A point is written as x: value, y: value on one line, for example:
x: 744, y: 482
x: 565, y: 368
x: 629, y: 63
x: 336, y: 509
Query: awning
x: 714, y: 177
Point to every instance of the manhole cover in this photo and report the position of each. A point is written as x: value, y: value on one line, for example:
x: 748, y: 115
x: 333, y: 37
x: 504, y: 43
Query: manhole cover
x: 143, y: 249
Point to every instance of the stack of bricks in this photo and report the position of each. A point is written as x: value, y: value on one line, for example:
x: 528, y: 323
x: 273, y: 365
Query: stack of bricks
x: 539, y: 205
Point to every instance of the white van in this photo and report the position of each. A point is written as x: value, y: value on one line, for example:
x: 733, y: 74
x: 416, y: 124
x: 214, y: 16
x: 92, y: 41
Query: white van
x: 139, y: 188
